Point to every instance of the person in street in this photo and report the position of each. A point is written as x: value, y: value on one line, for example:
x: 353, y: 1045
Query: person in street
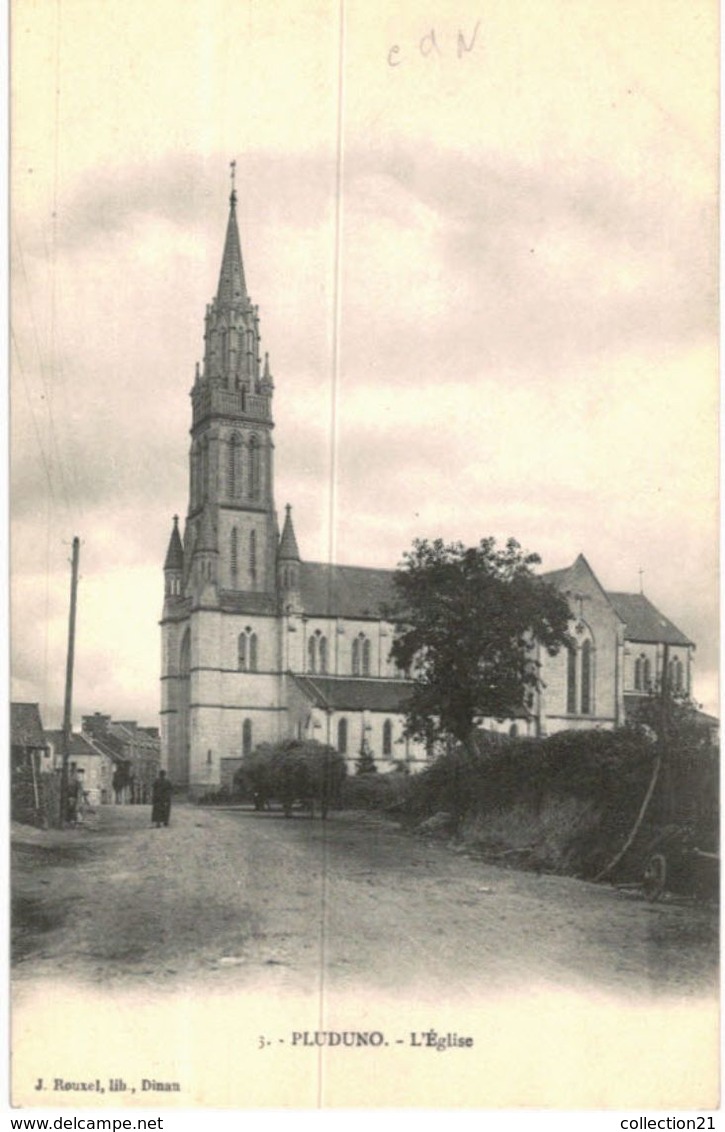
x: 161, y: 800
x: 73, y: 797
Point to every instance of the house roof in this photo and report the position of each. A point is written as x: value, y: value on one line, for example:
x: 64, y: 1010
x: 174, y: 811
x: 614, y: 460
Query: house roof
x: 26, y: 728
x: 331, y: 692
x: 345, y: 591
x: 644, y: 622
x: 80, y: 745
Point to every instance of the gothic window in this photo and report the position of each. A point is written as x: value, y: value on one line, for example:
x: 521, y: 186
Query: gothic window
x: 204, y: 485
x: 225, y: 350
x: 586, y: 678
x: 247, y: 650
x: 342, y: 736
x: 233, y: 554
x: 185, y: 654
x: 639, y: 674
x: 571, y: 679
x: 361, y: 656
x: 387, y: 739
x: 247, y: 737
x: 254, y: 467
x: 646, y: 674
x: 253, y: 554
x: 323, y: 654
x: 233, y: 466
x: 312, y: 654
x: 676, y: 671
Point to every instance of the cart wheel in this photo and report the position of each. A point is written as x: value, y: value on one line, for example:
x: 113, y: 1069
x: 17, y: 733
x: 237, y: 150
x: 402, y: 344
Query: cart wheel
x: 655, y: 875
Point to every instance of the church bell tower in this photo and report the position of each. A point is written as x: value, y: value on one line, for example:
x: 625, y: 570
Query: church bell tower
x: 219, y: 624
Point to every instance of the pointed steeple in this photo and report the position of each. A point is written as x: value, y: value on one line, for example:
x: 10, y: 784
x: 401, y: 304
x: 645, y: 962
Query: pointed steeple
x: 232, y: 288
x: 175, y: 553
x: 288, y: 549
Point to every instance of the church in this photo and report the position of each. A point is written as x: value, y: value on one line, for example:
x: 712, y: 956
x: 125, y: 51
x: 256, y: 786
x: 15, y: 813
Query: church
x: 259, y: 645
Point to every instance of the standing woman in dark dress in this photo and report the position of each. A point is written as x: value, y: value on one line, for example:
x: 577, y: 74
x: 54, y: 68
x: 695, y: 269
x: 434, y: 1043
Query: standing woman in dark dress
x: 161, y: 800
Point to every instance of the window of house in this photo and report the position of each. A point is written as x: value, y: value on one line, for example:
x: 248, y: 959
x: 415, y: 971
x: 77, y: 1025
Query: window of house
x: 342, y: 736
x: 387, y: 739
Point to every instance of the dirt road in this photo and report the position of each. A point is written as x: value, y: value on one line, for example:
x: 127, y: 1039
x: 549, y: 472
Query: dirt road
x: 224, y: 896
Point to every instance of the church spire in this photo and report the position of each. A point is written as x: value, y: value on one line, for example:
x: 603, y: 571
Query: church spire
x: 232, y: 287
x: 288, y: 550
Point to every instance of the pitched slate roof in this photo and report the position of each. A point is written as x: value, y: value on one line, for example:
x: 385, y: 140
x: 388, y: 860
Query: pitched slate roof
x: 26, y: 728
x: 644, y: 622
x: 345, y: 591
x: 80, y: 746
x: 348, y: 694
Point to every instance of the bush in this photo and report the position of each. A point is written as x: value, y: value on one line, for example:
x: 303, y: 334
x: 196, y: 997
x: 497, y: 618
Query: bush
x: 376, y: 791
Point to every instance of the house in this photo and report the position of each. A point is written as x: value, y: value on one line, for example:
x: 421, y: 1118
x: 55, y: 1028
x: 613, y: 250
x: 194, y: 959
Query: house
x: 135, y: 751
x: 94, y: 765
x: 29, y: 757
x: 259, y: 644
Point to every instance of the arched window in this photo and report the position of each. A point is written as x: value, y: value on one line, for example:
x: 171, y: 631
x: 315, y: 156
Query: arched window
x: 387, y: 739
x: 247, y: 650
x: 646, y: 674
x: 204, y: 485
x: 323, y: 655
x: 342, y: 736
x: 247, y: 737
x: 366, y: 657
x: 233, y: 466
x: 571, y: 679
x: 356, y: 657
x: 638, y: 674
x: 253, y: 555
x: 185, y: 654
x: 253, y: 467
x: 586, y: 678
x: 233, y: 555
x: 676, y: 672
x: 312, y: 654
x: 224, y: 350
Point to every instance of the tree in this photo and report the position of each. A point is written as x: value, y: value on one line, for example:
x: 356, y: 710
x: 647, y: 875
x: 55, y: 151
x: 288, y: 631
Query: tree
x: 467, y: 620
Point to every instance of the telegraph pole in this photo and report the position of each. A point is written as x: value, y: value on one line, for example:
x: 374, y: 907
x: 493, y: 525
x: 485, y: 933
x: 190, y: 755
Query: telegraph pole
x: 68, y: 705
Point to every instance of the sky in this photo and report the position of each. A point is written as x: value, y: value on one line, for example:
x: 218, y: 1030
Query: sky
x: 482, y: 239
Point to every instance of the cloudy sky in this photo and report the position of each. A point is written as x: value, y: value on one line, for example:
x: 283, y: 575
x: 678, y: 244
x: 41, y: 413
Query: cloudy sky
x: 503, y: 323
